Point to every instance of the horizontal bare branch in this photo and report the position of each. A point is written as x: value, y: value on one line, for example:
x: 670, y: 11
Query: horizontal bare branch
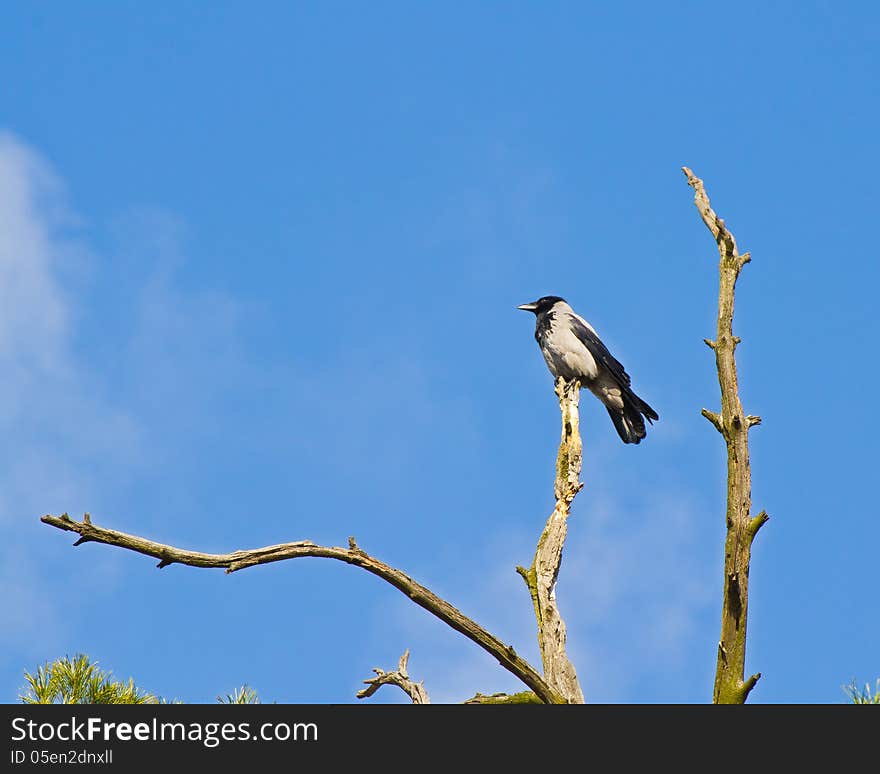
x: 525, y: 697
x: 239, y: 560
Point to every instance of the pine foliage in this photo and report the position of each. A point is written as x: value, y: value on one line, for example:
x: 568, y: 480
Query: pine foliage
x: 78, y: 680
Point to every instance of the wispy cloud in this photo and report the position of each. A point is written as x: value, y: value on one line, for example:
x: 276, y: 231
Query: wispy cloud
x: 633, y: 590
x: 75, y: 432
x: 177, y: 377
x: 34, y: 312
x: 47, y: 395
x: 641, y: 591
x: 169, y: 374
x: 56, y: 430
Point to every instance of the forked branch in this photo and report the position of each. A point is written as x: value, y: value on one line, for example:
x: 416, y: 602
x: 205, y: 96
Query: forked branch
x: 400, y: 678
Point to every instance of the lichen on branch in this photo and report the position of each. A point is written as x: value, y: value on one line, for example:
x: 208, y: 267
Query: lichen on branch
x: 542, y: 575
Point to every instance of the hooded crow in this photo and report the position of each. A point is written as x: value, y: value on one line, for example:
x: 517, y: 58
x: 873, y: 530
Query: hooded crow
x: 573, y: 350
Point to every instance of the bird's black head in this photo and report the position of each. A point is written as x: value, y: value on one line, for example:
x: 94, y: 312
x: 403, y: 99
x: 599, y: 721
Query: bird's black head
x: 542, y: 305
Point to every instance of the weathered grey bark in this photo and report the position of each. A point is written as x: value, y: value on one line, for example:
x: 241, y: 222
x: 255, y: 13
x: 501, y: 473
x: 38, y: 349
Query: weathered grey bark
x: 239, y: 560
x: 733, y: 424
x: 400, y: 678
x: 541, y: 577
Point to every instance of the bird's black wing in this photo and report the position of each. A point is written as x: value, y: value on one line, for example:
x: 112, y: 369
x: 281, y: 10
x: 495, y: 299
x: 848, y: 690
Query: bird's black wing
x: 599, y: 351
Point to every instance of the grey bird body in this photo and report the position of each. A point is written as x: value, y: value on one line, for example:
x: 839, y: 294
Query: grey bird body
x: 573, y: 350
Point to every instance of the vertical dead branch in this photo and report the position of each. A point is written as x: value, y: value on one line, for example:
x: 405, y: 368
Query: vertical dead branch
x: 733, y: 424
x: 541, y: 577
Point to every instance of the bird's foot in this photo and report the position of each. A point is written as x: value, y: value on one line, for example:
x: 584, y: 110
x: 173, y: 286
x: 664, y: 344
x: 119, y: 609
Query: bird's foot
x: 566, y: 387
x: 560, y: 387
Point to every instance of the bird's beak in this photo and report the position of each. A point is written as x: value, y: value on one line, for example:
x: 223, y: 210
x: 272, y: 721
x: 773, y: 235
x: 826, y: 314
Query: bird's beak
x: 528, y: 307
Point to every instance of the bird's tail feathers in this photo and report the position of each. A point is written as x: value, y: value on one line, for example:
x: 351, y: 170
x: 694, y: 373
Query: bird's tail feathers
x: 629, y: 424
x: 633, y: 401
x: 628, y: 421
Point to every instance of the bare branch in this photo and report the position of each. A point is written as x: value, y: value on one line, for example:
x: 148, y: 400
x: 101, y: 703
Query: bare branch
x: 748, y: 685
x: 541, y: 577
x: 526, y: 697
x: 733, y: 423
x: 723, y: 237
x: 400, y: 678
x: 759, y: 521
x: 714, y: 418
x: 239, y: 560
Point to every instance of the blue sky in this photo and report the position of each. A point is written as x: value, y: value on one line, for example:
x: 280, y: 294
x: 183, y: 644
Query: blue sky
x: 259, y: 268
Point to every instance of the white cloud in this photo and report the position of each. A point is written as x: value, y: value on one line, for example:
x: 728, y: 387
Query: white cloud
x: 33, y: 313
x: 53, y: 426
x: 39, y: 386
x: 71, y: 440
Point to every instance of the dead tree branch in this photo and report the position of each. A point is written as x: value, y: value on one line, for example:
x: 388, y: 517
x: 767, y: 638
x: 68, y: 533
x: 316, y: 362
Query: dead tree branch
x: 525, y: 697
x: 733, y: 424
x: 240, y: 560
x: 541, y: 577
x: 400, y: 678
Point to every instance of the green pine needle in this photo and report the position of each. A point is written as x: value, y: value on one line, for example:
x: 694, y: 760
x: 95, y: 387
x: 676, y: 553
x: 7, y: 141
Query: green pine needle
x: 243, y: 695
x: 80, y: 681
x: 863, y: 695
